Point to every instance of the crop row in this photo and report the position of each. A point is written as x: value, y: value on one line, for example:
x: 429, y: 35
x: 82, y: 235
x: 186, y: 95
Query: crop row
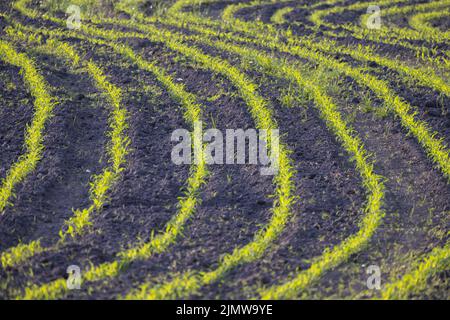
x: 186, y: 204
x: 263, y: 119
x: 402, y: 109
x: 256, y: 39
x: 34, y: 146
x: 117, y: 151
x: 416, y: 278
x: 34, y: 135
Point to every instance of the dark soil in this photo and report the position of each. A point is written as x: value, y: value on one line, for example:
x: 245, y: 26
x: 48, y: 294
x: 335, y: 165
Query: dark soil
x: 442, y: 24
x: 329, y: 191
x: 229, y: 209
x: 60, y: 182
x: 16, y: 104
x: 236, y: 201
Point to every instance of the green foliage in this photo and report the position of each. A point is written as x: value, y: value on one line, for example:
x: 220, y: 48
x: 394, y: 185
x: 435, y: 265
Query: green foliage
x: 278, y: 16
x: 102, y: 183
x: 34, y: 135
x: 416, y: 280
x: 269, y: 38
x: 117, y: 150
x: 20, y: 252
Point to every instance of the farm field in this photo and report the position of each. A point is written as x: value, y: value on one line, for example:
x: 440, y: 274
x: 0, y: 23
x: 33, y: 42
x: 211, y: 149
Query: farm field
x: 93, y: 205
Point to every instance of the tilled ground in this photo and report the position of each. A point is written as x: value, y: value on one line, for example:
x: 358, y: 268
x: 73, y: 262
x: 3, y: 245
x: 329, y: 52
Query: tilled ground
x: 236, y: 202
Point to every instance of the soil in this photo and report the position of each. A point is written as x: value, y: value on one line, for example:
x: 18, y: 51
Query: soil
x: 236, y: 201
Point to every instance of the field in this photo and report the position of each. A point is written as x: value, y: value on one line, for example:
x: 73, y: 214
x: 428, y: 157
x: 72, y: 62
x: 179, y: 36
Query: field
x: 92, y: 205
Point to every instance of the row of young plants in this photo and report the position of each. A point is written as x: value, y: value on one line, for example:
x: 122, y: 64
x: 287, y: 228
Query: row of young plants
x: 187, y: 203
x: 263, y: 119
x: 279, y: 15
x: 421, y: 22
x: 44, y: 104
x: 187, y: 283
x: 261, y: 37
x: 416, y: 280
x: 411, y: 282
x: 117, y: 149
x: 405, y: 117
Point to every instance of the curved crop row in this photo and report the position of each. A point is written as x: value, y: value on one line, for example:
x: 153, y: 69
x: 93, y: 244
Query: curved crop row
x: 187, y: 203
x: 420, y: 22
x: 435, y: 148
x: 392, y: 35
x: 263, y: 118
x: 117, y: 150
x: 187, y: 283
x: 278, y: 16
x: 34, y: 135
x: 351, y: 144
x: 416, y: 280
x: 301, y: 278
